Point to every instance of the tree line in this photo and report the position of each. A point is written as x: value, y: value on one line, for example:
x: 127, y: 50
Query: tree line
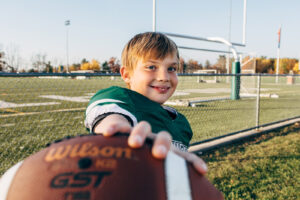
x: 40, y: 63
x: 255, y: 64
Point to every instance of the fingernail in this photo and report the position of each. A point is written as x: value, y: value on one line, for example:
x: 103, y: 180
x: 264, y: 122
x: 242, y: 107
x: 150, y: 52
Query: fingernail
x: 161, y: 149
x: 135, y: 140
x: 204, y: 166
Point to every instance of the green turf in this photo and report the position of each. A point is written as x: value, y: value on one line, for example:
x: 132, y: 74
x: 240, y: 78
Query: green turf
x: 24, y: 130
x: 267, y: 167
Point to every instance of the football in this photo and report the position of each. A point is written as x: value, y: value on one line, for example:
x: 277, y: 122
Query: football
x: 94, y: 167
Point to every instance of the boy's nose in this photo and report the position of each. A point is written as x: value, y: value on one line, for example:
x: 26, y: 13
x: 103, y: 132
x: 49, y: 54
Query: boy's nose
x: 163, y: 75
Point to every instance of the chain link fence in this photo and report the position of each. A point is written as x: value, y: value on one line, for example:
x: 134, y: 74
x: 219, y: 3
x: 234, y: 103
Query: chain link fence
x: 38, y: 109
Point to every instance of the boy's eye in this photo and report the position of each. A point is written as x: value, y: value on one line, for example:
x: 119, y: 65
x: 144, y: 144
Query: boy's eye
x: 151, y: 67
x: 172, y: 69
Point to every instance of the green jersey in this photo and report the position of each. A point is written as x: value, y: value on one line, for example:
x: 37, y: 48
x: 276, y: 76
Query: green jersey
x: 136, y: 107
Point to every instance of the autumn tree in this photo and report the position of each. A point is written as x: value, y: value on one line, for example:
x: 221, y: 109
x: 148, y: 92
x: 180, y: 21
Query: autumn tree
x: 95, y: 65
x: 85, y: 66
x: 192, y: 65
x: 114, y: 65
x: 286, y: 65
x: 75, y: 67
x: 265, y: 65
x: 296, y: 68
x: 182, y: 66
x: 220, y: 64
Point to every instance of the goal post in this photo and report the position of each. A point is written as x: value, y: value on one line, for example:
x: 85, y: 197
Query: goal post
x: 209, y: 78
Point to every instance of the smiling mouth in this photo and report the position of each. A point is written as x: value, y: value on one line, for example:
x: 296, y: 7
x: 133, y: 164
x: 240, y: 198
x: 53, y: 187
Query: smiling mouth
x: 160, y: 89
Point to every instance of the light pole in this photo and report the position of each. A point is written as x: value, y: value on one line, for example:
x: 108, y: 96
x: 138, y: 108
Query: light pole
x: 229, y: 39
x: 154, y: 16
x: 67, y: 23
x: 278, y: 55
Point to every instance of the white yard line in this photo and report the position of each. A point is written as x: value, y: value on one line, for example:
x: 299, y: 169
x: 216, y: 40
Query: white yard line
x: 66, y: 98
x: 36, y: 113
x: 78, y: 117
x: 46, y: 120
x: 4, y: 104
x: 7, y: 125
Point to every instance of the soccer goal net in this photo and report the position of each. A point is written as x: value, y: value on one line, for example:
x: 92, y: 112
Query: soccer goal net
x: 208, y: 77
x: 248, y: 80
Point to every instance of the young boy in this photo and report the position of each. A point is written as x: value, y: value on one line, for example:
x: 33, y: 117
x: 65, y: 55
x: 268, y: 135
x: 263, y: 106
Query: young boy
x: 149, y: 68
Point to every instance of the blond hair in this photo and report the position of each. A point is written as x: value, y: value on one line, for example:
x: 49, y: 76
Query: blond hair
x: 149, y: 45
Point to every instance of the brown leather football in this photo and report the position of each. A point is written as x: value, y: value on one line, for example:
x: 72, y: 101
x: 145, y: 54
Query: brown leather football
x: 96, y: 167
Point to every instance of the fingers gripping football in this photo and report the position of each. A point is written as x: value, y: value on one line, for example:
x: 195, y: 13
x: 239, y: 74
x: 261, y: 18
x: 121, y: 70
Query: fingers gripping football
x: 162, y: 141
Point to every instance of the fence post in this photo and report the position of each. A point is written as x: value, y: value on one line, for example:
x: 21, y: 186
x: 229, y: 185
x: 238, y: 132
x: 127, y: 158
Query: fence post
x: 235, y: 81
x: 258, y: 101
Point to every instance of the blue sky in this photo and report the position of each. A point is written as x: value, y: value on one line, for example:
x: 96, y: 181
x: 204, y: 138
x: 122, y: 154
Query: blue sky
x: 100, y: 29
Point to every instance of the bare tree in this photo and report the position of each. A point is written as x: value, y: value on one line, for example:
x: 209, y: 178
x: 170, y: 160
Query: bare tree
x: 2, y: 61
x: 12, y: 57
x: 114, y: 65
x: 39, y: 62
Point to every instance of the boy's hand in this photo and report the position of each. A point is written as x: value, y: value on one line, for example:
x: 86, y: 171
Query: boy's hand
x: 162, y: 141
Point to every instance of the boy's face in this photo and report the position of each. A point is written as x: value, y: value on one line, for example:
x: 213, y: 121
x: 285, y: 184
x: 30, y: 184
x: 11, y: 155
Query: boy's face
x: 155, y: 79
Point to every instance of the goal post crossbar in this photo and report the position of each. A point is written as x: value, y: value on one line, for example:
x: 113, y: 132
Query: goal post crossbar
x: 200, y: 38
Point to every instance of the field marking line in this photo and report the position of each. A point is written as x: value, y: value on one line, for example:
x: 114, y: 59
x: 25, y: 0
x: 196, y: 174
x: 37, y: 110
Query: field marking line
x: 201, y: 98
x: 7, y: 125
x: 192, y: 100
x: 10, y: 110
x: 67, y: 98
x: 46, y: 120
x: 78, y: 117
x: 4, y: 104
x: 35, y: 113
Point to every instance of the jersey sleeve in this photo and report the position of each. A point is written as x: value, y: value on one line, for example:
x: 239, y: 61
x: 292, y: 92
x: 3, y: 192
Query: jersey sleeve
x: 113, y: 100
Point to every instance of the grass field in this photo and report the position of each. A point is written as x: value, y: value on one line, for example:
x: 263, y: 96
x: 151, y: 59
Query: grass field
x: 36, y: 111
x: 267, y: 167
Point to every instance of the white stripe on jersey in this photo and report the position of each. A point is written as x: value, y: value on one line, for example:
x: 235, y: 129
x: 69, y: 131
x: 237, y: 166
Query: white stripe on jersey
x: 107, y: 108
x: 177, y: 178
x: 92, y: 105
x: 179, y: 145
x: 7, y: 178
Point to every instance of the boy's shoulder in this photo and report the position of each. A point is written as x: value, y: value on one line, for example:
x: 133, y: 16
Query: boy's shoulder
x: 116, y: 91
x: 135, y: 101
x: 123, y: 95
x: 111, y: 93
x: 113, y: 90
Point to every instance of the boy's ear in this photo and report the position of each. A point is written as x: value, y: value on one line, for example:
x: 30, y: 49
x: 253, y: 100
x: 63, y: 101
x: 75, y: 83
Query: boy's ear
x: 125, y: 74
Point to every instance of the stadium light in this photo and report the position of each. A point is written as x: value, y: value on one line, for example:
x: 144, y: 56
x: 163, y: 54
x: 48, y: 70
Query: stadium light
x: 67, y: 23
